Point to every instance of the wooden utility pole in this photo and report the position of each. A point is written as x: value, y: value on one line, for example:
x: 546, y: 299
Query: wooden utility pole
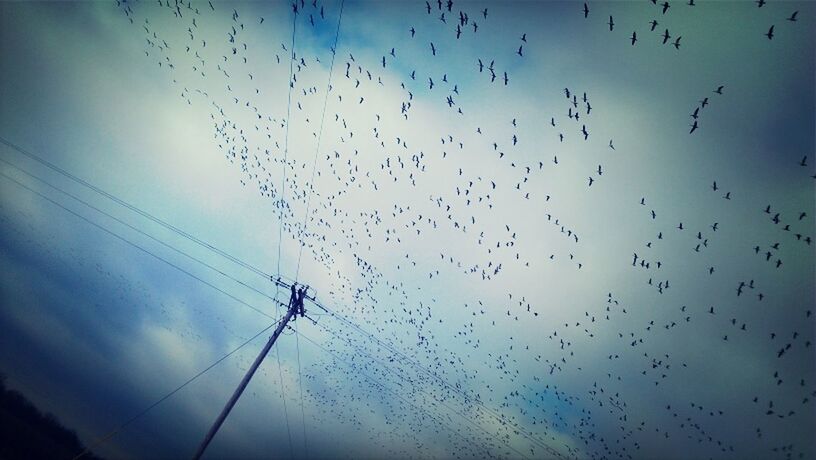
x: 295, y: 305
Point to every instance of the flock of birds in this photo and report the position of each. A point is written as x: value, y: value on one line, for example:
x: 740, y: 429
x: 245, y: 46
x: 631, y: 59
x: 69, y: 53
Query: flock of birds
x: 696, y: 114
x: 666, y: 36
x: 461, y: 188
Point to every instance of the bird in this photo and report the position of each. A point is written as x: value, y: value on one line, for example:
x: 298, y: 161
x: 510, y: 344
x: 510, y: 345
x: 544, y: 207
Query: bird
x: 695, y: 114
x: 770, y: 33
x: 611, y: 23
x: 634, y: 38
x: 760, y: 3
x: 524, y: 38
x: 586, y: 10
x: 666, y: 36
x: 719, y: 89
x: 433, y: 49
x: 413, y: 32
x: 519, y: 51
x: 792, y: 17
x: 693, y: 127
x: 654, y: 24
x: 665, y: 7
x: 677, y: 42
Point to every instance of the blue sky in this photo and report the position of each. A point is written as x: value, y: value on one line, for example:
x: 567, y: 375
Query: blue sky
x: 522, y: 293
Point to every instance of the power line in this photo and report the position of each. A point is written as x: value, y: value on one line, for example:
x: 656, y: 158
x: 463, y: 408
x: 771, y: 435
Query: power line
x: 320, y: 136
x: 306, y: 215
x: 138, y: 415
x: 135, y: 245
x: 286, y: 135
x: 290, y: 84
x: 43, y: 181
x: 131, y: 207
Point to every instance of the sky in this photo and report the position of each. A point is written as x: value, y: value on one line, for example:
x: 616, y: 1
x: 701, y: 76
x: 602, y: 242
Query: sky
x: 491, y: 281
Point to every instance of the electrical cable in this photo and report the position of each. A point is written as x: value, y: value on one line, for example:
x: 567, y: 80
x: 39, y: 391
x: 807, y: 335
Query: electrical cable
x: 141, y: 413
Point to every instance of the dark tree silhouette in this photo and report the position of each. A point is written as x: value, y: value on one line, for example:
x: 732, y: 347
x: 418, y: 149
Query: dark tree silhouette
x: 27, y: 433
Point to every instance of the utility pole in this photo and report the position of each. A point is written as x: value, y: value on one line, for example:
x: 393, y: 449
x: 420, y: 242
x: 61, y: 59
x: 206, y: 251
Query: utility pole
x: 295, y: 307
